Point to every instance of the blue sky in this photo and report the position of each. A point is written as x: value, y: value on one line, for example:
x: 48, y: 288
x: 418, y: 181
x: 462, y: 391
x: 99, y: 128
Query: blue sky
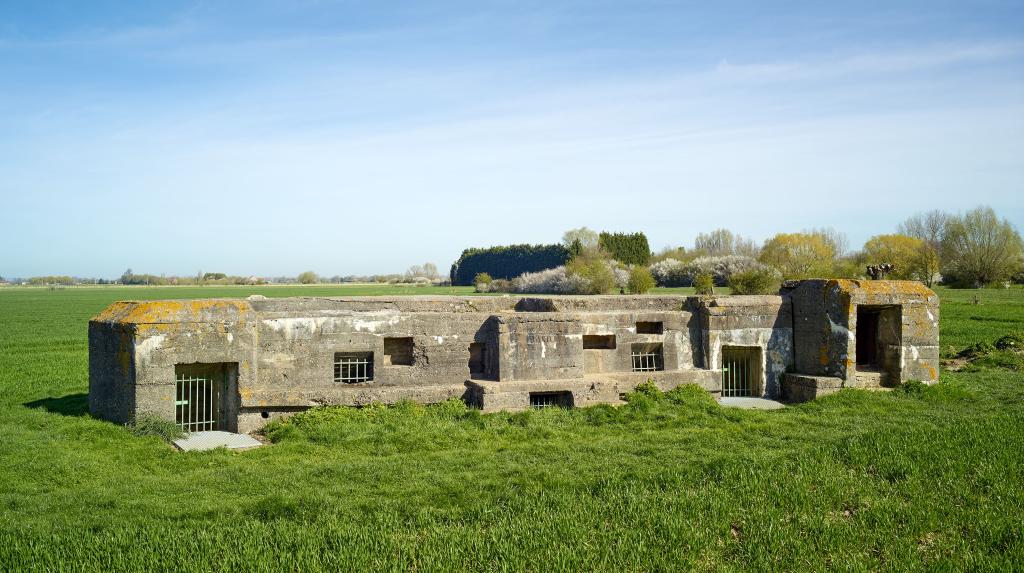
x: 268, y: 138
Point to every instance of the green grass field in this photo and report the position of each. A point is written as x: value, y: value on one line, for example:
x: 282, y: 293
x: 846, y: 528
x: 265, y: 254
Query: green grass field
x: 917, y: 478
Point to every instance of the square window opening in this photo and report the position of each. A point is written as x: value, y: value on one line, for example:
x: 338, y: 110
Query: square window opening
x: 650, y: 328
x: 398, y: 351
x: 598, y: 342
x: 647, y: 357
x: 353, y: 367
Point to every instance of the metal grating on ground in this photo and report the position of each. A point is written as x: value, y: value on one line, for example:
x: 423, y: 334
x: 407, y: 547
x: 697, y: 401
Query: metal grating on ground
x: 202, y: 441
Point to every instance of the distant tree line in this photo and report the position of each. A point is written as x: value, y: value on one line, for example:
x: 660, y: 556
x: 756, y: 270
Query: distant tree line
x: 973, y: 249
x: 506, y: 263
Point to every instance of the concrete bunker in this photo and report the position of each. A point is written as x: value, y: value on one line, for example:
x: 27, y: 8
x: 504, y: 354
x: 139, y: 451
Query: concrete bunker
x: 867, y: 334
x: 284, y: 355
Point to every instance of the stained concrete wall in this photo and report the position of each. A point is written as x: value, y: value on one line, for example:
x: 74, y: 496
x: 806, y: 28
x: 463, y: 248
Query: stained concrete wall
x: 112, y: 371
x: 763, y: 322
x: 285, y: 349
x: 825, y: 328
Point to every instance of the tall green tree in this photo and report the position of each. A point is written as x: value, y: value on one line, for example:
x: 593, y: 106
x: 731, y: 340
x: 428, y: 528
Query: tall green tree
x: 628, y: 248
x: 799, y: 255
x: 587, y: 238
x: 979, y: 248
x: 930, y: 227
x: 723, y: 242
x: 901, y: 251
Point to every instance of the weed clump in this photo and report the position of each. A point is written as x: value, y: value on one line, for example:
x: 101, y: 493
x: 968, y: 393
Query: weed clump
x: 1013, y: 341
x: 1000, y: 359
x: 151, y: 425
x: 938, y: 392
x: 977, y: 350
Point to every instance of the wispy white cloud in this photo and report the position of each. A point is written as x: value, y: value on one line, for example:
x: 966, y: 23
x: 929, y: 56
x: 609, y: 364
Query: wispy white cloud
x: 349, y: 163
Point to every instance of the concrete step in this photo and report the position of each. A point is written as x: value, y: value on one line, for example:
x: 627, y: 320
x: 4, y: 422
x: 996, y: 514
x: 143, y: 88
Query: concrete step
x: 202, y: 441
x: 751, y: 403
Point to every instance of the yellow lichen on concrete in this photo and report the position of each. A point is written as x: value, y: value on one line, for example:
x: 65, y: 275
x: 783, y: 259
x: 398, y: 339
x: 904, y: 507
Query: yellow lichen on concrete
x: 169, y: 311
x: 158, y: 328
x: 895, y: 288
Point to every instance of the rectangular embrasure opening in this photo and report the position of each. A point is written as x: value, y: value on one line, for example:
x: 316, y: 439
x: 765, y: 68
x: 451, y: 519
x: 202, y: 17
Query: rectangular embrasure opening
x: 398, y: 351
x: 353, y: 367
x: 550, y: 400
x: 598, y: 342
x: 650, y: 328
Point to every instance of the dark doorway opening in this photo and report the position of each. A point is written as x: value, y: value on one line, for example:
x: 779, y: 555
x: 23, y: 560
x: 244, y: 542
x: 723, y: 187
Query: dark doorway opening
x: 477, y: 360
x: 867, y: 337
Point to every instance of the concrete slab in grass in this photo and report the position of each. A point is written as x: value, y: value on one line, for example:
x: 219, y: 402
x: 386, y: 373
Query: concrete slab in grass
x: 751, y: 403
x: 201, y: 441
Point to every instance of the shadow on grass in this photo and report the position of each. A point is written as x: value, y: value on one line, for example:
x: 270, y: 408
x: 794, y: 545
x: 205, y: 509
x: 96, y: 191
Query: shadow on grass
x: 70, y: 405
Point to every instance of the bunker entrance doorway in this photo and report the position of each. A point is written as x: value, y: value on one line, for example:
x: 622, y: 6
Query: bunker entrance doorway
x: 478, y: 361
x: 867, y: 337
x: 741, y: 371
x: 202, y: 394
x: 878, y: 331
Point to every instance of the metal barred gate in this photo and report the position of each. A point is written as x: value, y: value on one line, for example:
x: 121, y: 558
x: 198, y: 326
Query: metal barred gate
x: 199, y: 395
x: 740, y: 370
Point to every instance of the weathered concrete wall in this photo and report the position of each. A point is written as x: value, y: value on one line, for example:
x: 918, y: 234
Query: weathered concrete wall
x: 764, y: 322
x: 491, y: 350
x: 825, y: 329
x: 540, y: 346
x: 154, y: 336
x: 112, y: 371
x: 595, y: 389
x: 801, y: 388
